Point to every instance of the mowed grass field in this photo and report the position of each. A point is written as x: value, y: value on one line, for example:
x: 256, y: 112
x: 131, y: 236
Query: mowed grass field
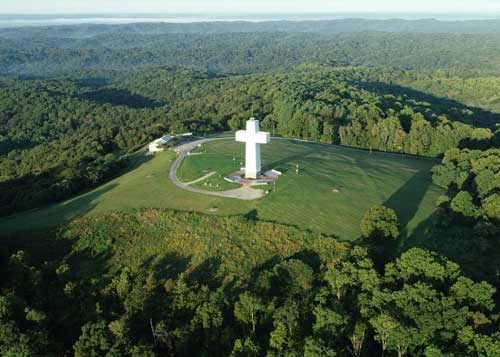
x: 333, y: 189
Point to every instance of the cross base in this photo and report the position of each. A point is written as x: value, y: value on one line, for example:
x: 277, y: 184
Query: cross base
x: 250, y: 175
x: 263, y: 178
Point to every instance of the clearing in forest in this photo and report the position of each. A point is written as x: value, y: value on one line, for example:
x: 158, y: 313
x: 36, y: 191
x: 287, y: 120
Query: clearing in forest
x: 330, y: 193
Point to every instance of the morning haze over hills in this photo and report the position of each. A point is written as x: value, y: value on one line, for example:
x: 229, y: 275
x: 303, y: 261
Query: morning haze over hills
x: 250, y: 182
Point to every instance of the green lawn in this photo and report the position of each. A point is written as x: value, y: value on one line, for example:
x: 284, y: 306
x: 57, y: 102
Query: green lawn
x: 306, y: 200
x: 205, y: 160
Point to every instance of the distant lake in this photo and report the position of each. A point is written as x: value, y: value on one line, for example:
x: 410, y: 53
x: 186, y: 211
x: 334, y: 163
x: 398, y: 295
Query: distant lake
x: 68, y: 19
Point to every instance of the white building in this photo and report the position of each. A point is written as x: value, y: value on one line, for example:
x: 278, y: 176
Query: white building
x: 159, y: 144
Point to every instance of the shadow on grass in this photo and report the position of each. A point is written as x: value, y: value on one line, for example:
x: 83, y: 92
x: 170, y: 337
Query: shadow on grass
x: 407, y: 199
x: 282, y: 163
x: 46, y: 217
x: 56, y: 214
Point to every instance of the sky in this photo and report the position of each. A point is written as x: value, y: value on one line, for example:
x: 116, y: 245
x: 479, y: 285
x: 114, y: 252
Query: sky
x: 248, y: 6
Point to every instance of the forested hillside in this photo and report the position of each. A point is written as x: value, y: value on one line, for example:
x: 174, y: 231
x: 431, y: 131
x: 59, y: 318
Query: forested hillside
x: 62, y: 135
x: 480, y: 92
x: 304, y: 26
x: 469, y: 214
x: 174, y: 284
x: 43, y: 55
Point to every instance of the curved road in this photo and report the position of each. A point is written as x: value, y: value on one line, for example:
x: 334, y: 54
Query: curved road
x: 242, y: 193
x: 245, y: 192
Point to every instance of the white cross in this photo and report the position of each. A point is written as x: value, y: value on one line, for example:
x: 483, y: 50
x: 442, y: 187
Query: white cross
x: 252, y: 137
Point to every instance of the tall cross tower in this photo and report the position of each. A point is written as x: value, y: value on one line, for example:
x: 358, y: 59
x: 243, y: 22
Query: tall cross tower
x: 252, y: 138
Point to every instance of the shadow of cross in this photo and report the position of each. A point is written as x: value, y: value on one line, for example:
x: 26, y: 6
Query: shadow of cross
x: 407, y: 199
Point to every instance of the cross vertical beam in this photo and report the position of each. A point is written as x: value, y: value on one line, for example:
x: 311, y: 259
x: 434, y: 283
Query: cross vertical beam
x: 252, y: 138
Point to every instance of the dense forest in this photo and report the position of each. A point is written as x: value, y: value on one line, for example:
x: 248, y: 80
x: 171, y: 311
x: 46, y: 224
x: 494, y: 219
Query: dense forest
x: 175, y: 284
x: 469, y: 214
x: 243, y: 53
x: 77, y: 101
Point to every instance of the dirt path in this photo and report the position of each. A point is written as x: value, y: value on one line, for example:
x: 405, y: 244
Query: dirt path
x: 242, y: 193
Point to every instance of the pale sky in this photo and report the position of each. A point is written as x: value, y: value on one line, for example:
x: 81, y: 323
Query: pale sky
x: 248, y: 6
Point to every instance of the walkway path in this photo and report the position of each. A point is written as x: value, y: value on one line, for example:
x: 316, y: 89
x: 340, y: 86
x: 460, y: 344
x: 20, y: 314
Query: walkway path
x: 200, y: 179
x: 242, y: 193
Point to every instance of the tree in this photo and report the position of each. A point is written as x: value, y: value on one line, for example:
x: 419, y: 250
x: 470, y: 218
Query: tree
x: 491, y: 207
x: 286, y: 322
x: 426, y: 298
x: 384, y: 326
x: 315, y: 347
x: 95, y: 340
x: 245, y: 348
x: 420, y: 264
x: 247, y: 309
x: 357, y: 338
x: 487, y: 346
x: 462, y: 203
x: 380, y: 222
x: 379, y: 229
x: 292, y: 277
x: 486, y: 181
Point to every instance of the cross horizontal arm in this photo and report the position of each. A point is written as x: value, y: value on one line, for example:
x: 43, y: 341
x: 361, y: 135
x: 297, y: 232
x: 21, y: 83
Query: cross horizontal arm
x: 241, y: 135
x: 262, y: 138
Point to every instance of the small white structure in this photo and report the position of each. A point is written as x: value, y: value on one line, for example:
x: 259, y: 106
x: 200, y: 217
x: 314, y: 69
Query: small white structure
x: 159, y: 144
x: 252, y: 138
x: 273, y: 173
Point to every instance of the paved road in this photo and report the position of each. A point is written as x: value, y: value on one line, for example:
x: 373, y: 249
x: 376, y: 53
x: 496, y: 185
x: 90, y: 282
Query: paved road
x: 242, y: 193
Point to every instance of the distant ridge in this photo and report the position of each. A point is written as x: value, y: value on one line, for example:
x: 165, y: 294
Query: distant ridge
x: 312, y: 26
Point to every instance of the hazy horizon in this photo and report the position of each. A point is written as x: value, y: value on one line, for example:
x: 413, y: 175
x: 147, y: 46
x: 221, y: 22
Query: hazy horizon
x: 74, y: 12
x: 28, y: 19
x: 248, y: 6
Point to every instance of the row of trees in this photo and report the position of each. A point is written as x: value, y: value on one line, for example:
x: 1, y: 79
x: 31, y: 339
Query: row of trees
x: 191, y: 287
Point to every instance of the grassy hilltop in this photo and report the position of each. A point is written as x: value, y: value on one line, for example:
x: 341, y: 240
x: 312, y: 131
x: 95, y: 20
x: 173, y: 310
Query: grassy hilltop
x: 308, y: 200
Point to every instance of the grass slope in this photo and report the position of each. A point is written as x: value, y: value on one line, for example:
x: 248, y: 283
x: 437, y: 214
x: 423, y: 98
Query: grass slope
x: 309, y: 200
x: 234, y: 246
x: 306, y: 200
